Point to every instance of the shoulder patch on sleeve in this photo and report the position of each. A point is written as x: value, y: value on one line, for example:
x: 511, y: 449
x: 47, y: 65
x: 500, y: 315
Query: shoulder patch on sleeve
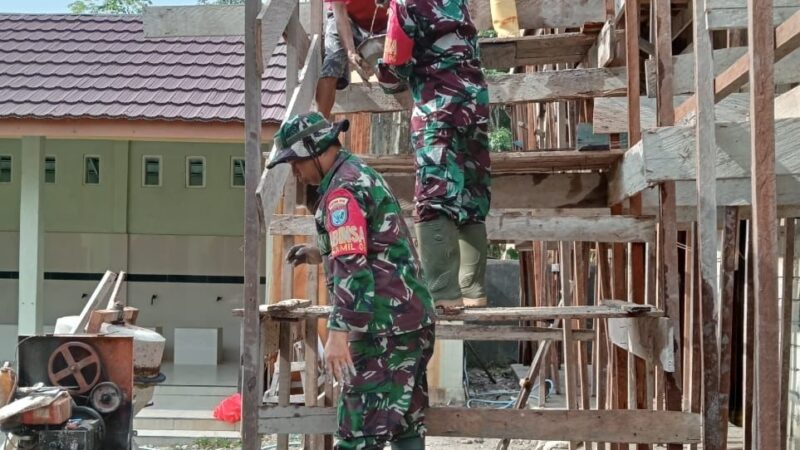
x: 345, y: 224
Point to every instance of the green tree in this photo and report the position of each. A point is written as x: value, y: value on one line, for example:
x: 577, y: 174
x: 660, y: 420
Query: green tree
x: 220, y: 2
x: 108, y: 6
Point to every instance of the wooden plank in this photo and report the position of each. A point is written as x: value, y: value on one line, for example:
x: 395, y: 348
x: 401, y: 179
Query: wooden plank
x: 502, y: 314
x: 533, y: 14
x: 571, y: 368
x: 513, y: 162
x: 251, y: 352
x: 509, y: 333
x: 707, y: 225
x: 545, y: 425
x: 582, y: 250
x: 284, y: 376
x: 787, y: 299
x: 98, y: 295
x: 272, y: 181
x: 504, y: 53
x: 514, y: 227
x: 610, y: 115
x: 549, y: 86
x: 788, y: 104
x: 765, y: 46
x: 113, y: 298
x: 666, y: 154
x: 724, y: 14
x: 730, y: 240
x: 786, y: 39
x: 785, y: 70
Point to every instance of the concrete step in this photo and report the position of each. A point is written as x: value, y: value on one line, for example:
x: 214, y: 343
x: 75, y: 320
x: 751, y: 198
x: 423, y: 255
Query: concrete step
x: 179, y: 437
x: 180, y: 420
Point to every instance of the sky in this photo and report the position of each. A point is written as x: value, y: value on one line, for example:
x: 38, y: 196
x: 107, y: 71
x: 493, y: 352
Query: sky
x: 60, y: 6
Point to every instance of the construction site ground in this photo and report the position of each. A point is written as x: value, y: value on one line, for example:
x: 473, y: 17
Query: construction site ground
x: 481, y: 388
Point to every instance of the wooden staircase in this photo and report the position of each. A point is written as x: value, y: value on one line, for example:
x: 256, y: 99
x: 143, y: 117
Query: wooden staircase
x: 596, y: 200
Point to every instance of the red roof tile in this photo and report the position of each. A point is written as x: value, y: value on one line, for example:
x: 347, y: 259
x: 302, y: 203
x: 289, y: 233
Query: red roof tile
x: 101, y: 66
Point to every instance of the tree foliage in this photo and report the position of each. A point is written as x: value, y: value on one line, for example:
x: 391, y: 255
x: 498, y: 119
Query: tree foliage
x: 108, y: 6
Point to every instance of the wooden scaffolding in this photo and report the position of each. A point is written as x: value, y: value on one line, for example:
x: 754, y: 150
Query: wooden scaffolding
x: 707, y: 147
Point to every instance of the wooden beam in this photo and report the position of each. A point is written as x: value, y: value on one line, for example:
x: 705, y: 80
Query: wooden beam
x: 504, y: 53
x: 513, y: 162
x: 724, y: 14
x: 272, y: 181
x: 584, y: 190
x: 533, y: 14
x: 548, y: 425
x: 508, y: 333
x: 572, y: 84
x: 609, y: 309
x: 273, y: 19
x: 765, y: 46
x: 730, y: 240
x: 785, y: 70
x: 787, y: 300
x: 786, y: 39
x: 251, y: 356
x: 666, y: 154
x: 610, y: 115
x: 95, y: 300
x: 515, y: 227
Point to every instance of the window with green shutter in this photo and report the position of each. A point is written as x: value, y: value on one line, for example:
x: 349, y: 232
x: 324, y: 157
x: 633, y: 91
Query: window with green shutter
x: 50, y: 169
x: 5, y: 168
x: 237, y: 172
x: 195, y: 171
x: 152, y: 171
x: 91, y: 171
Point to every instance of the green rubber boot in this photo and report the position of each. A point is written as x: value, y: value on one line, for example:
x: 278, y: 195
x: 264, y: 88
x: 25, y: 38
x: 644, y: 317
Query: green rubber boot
x: 439, y: 254
x: 415, y: 443
x: 472, y: 273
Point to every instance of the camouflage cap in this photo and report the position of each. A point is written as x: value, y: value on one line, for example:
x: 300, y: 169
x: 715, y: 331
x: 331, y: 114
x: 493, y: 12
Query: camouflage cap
x: 305, y: 136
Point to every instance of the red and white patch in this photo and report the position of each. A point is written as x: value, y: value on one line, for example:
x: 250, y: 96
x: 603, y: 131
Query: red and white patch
x: 346, y: 224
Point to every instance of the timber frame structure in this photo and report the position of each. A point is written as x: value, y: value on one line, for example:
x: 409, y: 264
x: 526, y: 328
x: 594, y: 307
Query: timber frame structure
x: 704, y: 154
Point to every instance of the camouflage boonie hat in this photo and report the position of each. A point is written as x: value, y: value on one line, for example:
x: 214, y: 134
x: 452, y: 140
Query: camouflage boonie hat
x: 305, y: 136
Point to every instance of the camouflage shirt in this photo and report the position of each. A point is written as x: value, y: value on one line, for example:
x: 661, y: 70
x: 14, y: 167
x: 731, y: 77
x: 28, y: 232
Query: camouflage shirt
x: 444, y: 73
x: 373, y: 273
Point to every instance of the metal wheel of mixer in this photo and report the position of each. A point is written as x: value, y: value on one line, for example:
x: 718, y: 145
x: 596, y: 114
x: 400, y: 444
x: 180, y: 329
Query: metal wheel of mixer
x: 74, y: 361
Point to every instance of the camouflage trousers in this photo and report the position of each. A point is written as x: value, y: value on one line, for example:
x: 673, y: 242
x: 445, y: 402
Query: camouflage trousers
x: 453, y: 173
x: 386, y: 399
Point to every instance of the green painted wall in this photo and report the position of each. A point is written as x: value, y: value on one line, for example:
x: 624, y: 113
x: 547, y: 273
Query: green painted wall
x: 174, y: 208
x: 121, y: 203
x: 71, y: 206
x: 9, y: 192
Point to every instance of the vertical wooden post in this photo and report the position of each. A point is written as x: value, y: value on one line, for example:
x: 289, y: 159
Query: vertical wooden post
x: 570, y: 358
x: 618, y: 356
x: 600, y: 347
x: 730, y: 241
x: 707, y: 225
x: 786, y: 324
x: 579, y: 299
x: 252, y: 359
x: 284, y: 374
x: 761, y: 40
x: 668, y: 230
x: 311, y: 341
x: 749, y: 346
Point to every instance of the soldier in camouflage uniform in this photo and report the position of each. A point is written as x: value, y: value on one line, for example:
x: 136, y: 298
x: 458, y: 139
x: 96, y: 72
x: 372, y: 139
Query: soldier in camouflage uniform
x: 382, y: 310
x: 449, y: 133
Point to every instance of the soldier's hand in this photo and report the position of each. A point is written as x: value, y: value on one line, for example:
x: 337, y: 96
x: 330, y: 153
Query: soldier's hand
x: 337, y: 356
x: 303, y: 254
